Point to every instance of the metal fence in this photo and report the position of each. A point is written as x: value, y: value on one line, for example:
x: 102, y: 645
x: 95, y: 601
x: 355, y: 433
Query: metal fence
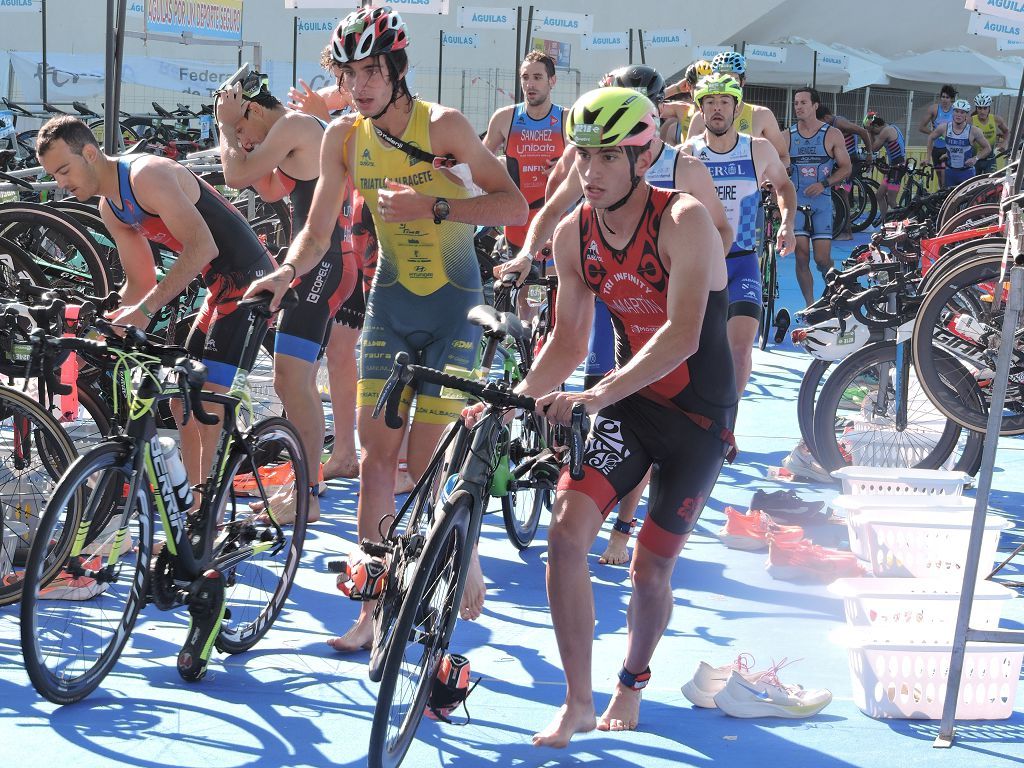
x: 477, y: 93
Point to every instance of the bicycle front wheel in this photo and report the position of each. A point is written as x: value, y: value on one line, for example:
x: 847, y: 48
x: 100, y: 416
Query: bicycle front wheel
x: 425, y: 622
x: 769, y: 290
x: 260, y: 561
x: 80, y: 601
x: 531, y: 489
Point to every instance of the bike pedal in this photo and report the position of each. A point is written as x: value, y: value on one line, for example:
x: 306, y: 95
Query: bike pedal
x: 206, y: 612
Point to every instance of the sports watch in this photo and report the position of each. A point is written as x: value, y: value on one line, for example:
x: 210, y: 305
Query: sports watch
x: 441, y: 210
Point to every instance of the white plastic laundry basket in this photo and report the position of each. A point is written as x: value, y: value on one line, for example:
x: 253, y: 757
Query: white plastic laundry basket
x: 896, y: 480
x: 928, y: 604
x: 922, y: 544
x: 905, y: 677
x: 853, y: 507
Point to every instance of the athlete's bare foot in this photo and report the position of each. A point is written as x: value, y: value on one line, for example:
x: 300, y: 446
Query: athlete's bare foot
x: 404, y: 482
x: 343, y: 467
x: 623, y: 711
x: 476, y: 590
x: 358, y: 638
x: 617, y: 551
x: 283, y: 504
x: 570, y: 720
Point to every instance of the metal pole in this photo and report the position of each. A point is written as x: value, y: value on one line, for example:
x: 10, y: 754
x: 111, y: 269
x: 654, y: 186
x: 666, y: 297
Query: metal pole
x: 440, y: 62
x: 42, y: 82
x: 814, y: 72
x: 1014, y: 304
x: 743, y: 48
x: 643, y: 53
x: 109, y: 107
x: 789, y: 106
x: 529, y: 35
x: 519, y: 45
x: 121, y: 14
x: 630, y: 45
x: 1015, y: 134
x: 295, y: 47
x: 910, y: 111
x: 867, y: 100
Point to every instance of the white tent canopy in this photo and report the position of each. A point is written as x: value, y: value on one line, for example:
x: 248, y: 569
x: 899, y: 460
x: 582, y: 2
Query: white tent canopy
x: 959, y: 66
x: 863, y: 67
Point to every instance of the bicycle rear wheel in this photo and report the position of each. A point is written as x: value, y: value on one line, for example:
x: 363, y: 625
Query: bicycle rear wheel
x: 532, y: 489
x: 855, y: 418
x: 61, y: 247
x: 258, y: 584
x: 34, y: 452
x: 425, y: 622
x: 80, y: 601
x: 956, y: 320
x: 807, y: 396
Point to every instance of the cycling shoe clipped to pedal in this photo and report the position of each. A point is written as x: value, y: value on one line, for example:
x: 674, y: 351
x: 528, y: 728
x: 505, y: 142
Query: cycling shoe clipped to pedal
x: 207, y: 608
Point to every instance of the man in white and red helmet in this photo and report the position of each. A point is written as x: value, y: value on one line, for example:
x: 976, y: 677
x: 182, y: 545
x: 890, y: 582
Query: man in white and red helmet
x: 427, y: 180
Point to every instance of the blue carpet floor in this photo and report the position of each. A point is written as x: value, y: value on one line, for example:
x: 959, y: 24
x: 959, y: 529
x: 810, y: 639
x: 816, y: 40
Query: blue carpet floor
x: 293, y: 702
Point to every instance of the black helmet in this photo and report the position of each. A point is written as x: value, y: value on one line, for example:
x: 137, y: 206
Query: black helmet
x: 639, y: 77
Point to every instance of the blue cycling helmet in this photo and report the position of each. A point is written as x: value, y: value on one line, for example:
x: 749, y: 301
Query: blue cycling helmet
x: 729, y: 63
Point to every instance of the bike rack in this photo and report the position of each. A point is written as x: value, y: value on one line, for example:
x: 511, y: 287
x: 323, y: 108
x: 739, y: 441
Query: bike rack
x: 963, y: 633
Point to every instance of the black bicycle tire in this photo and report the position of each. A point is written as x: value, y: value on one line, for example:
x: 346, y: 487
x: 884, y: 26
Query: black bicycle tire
x: 21, y: 262
x: 50, y: 437
x: 970, y: 273
x: 232, y: 639
x: 768, y: 264
x: 861, y: 222
x: 89, y: 217
x: 971, y: 217
x: 522, y: 535
x: 825, y: 412
x: 455, y: 520
x: 958, y: 255
x: 840, y: 212
x: 806, y: 397
x: 963, y: 196
x: 104, y: 457
x: 16, y: 214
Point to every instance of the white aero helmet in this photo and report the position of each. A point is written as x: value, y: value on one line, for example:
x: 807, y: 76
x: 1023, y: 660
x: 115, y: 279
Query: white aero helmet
x: 983, y: 100
x: 962, y: 104
x: 828, y: 341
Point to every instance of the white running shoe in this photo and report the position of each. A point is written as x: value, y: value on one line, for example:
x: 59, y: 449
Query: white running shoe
x: 767, y: 697
x: 708, y: 680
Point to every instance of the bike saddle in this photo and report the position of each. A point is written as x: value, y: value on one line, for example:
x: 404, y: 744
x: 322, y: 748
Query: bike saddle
x: 501, y: 324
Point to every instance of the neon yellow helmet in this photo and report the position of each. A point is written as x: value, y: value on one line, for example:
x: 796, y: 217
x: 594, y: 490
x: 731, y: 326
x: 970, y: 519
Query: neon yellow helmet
x: 611, y: 117
x: 726, y: 85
